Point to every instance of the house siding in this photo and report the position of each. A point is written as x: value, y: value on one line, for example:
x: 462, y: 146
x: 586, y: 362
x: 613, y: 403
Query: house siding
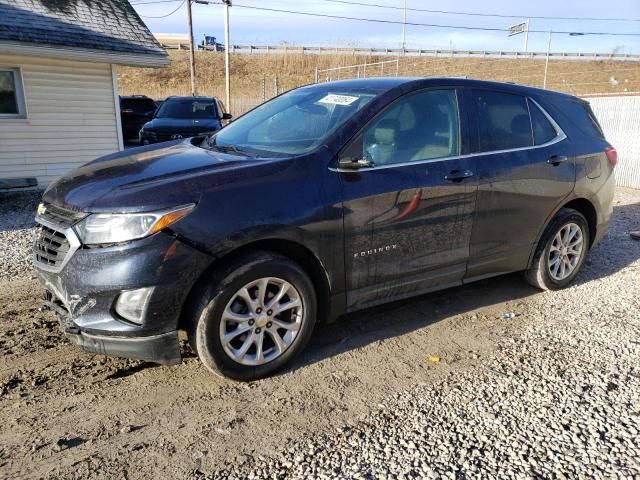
x: 71, y: 118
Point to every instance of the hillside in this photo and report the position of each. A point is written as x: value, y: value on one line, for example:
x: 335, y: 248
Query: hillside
x: 253, y: 75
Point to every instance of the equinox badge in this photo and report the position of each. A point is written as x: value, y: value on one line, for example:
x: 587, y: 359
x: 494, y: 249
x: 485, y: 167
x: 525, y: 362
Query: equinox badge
x: 375, y: 251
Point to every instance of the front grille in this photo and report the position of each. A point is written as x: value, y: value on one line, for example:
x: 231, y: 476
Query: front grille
x: 61, y: 216
x: 50, y: 247
x: 163, y: 137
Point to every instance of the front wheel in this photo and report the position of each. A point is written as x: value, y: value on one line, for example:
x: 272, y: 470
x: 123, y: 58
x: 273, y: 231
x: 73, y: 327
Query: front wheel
x: 254, y: 317
x: 561, y: 251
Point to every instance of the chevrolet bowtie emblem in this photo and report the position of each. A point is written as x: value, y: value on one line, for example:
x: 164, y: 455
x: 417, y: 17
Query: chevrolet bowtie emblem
x: 42, y: 208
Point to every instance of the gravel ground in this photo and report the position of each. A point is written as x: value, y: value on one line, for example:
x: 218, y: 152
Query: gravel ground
x: 553, y: 392
x: 559, y: 399
x: 17, y: 211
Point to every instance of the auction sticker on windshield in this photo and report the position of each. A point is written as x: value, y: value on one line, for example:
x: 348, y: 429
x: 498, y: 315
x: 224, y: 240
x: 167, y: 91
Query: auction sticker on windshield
x: 333, y: 99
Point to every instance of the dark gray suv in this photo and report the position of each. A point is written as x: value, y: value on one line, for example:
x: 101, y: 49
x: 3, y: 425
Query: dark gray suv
x: 325, y: 200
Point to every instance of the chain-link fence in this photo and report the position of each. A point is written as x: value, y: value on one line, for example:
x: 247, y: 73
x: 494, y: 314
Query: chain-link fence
x: 580, y: 76
x: 257, y: 77
x: 576, y: 77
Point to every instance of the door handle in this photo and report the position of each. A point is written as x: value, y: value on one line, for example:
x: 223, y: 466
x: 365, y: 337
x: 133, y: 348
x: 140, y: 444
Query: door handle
x: 557, y: 159
x: 458, y: 175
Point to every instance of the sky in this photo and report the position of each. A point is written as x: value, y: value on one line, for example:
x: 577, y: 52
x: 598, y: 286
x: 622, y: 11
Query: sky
x: 256, y: 27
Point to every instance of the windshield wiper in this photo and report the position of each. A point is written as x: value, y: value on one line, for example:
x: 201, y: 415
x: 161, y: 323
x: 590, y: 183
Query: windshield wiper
x: 226, y: 148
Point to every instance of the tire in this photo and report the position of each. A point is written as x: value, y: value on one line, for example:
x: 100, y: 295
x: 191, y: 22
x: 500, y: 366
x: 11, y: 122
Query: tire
x: 547, y: 274
x: 222, y: 297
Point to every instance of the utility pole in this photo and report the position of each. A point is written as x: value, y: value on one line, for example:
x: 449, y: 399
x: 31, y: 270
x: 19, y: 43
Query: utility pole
x: 192, y: 59
x: 404, y: 28
x: 227, y: 81
x: 546, y: 63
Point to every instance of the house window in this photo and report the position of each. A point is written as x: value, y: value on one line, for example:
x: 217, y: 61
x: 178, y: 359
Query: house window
x: 12, y: 104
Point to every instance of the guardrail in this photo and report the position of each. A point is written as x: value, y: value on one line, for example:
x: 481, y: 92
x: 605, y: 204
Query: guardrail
x: 414, y: 52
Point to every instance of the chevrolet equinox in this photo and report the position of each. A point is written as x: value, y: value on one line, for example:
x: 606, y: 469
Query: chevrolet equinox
x: 327, y: 199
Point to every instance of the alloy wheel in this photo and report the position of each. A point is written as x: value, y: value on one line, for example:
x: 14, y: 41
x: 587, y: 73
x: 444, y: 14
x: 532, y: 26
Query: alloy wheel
x: 261, y: 321
x: 565, y: 251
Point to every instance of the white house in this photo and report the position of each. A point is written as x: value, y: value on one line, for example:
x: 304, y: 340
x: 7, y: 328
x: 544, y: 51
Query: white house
x: 59, y: 104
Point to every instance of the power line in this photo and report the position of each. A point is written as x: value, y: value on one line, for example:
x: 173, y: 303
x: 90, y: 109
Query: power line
x: 445, y: 12
x: 414, y: 24
x: 474, y: 14
x: 168, y: 14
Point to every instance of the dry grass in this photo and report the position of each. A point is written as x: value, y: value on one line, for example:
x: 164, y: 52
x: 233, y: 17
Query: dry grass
x: 252, y: 75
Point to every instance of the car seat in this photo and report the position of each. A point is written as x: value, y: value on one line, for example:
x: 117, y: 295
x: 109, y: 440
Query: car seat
x: 380, y: 147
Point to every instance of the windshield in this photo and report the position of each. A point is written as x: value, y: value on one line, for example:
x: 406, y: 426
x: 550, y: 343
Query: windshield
x: 187, y: 108
x: 294, y: 123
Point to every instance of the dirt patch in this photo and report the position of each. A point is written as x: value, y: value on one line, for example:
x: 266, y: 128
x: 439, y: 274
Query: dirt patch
x: 65, y: 412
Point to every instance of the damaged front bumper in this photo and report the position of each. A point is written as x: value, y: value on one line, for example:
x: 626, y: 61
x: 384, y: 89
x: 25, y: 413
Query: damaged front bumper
x: 85, y: 291
x: 163, y: 348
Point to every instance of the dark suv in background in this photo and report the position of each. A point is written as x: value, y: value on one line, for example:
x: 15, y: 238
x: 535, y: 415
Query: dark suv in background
x: 327, y: 199
x: 183, y: 117
x: 135, y: 111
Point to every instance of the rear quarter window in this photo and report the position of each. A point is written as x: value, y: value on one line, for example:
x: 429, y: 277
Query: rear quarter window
x: 543, y: 130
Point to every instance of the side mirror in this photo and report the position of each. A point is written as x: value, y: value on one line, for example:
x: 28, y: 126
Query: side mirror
x: 354, y: 164
x: 227, y: 116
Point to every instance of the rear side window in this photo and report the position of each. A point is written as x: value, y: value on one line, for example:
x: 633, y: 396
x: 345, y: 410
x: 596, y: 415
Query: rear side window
x: 543, y: 130
x: 503, y: 121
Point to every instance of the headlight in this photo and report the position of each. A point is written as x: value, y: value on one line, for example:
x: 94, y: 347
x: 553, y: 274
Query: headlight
x: 101, y: 228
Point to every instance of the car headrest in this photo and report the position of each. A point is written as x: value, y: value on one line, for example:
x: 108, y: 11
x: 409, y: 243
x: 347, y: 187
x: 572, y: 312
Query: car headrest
x: 520, y: 125
x: 406, y: 118
x: 386, y: 131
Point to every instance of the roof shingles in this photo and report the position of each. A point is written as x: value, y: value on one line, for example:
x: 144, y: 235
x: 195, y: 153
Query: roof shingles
x: 108, y: 25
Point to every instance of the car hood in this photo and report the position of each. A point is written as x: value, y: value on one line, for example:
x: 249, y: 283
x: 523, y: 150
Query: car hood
x: 171, y: 125
x: 143, y: 179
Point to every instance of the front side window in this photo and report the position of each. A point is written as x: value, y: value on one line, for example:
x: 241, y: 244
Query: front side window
x: 421, y: 126
x: 543, y: 130
x: 503, y: 121
x: 11, y: 96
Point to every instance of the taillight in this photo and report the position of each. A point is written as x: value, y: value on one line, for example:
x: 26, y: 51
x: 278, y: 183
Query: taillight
x: 612, y: 155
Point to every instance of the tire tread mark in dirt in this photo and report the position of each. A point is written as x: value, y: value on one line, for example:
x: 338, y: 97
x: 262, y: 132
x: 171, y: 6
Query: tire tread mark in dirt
x: 65, y: 352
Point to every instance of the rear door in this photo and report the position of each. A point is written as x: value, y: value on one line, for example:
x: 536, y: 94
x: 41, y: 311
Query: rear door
x: 525, y: 167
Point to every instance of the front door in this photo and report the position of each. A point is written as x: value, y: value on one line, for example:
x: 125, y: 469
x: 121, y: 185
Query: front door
x: 408, y: 217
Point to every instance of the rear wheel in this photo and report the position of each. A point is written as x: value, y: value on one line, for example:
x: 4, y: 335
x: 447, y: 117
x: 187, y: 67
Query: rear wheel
x: 257, y: 314
x: 561, y: 251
